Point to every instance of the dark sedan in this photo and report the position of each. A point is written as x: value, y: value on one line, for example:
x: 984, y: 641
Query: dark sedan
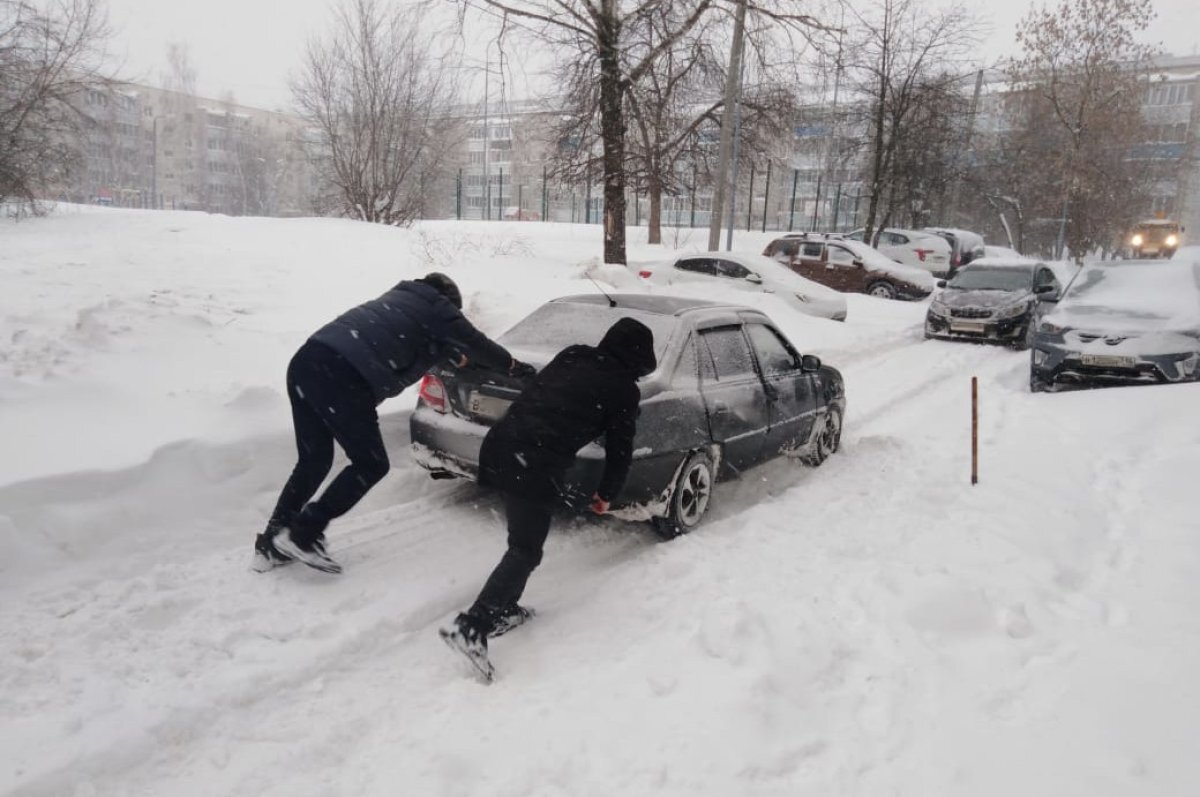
x: 992, y: 300
x: 1123, y: 323
x: 729, y: 393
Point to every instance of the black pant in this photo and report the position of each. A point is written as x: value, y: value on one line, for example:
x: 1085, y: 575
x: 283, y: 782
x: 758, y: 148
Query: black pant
x: 528, y: 525
x: 330, y: 401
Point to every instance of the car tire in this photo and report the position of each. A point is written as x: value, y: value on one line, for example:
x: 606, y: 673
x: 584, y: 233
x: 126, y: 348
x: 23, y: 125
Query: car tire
x: 690, y: 496
x: 881, y: 289
x: 828, y: 440
x: 1037, y: 384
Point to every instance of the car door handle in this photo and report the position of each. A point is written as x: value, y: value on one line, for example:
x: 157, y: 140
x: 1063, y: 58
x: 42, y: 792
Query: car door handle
x: 720, y: 408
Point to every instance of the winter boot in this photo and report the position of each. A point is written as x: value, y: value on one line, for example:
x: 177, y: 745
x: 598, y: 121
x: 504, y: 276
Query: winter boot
x: 509, y: 618
x: 266, y: 555
x: 469, y: 637
x: 310, y: 553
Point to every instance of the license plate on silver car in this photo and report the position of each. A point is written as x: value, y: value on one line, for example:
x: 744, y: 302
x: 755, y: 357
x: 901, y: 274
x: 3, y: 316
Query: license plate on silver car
x: 967, y: 326
x: 1108, y: 361
x: 487, y: 406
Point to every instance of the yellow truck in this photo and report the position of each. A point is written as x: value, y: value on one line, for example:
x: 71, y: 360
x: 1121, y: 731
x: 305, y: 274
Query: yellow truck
x: 1154, y: 238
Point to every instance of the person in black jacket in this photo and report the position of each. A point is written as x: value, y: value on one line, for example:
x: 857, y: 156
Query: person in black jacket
x: 583, y: 393
x: 335, y: 382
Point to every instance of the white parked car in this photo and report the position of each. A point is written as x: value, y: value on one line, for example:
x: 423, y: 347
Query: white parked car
x: 913, y: 248
x: 750, y: 272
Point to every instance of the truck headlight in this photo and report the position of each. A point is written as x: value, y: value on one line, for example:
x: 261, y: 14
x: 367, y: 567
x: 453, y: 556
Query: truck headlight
x: 1172, y: 239
x: 938, y: 309
x: 1137, y: 239
x: 1013, y: 311
x: 1051, y: 329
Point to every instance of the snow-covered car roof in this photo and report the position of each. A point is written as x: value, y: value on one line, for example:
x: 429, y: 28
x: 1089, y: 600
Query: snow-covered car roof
x: 874, y: 259
x: 1133, y: 295
x: 769, y: 269
x: 969, y: 239
x: 1018, y: 261
x: 1000, y: 251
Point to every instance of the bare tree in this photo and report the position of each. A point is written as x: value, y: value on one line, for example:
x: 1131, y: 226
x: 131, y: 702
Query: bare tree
x: 601, y: 36
x: 50, y: 56
x: 1076, y: 100
x: 903, y: 54
x: 378, y: 91
x: 924, y: 161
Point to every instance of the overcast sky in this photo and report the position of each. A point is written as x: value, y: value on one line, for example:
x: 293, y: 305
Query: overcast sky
x: 250, y: 47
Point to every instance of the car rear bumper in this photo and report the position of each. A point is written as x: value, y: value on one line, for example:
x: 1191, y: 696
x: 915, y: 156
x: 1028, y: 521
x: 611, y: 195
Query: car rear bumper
x: 445, y: 443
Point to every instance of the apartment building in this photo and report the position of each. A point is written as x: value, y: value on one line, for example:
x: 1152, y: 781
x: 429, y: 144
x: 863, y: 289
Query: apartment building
x: 153, y: 148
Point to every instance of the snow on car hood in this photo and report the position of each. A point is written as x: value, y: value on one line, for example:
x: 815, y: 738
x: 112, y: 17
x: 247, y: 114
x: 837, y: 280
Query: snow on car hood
x: 1133, y: 297
x: 876, y: 260
x: 957, y: 299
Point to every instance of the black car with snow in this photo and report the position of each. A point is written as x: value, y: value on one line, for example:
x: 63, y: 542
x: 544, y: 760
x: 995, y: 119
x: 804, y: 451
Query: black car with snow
x: 992, y: 300
x: 1123, y: 322
x: 730, y: 391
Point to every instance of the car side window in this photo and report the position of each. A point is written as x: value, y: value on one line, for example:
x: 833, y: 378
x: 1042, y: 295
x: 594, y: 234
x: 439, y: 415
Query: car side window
x: 773, y: 356
x: 1045, y: 277
x: 840, y: 257
x: 727, y: 268
x: 857, y: 235
x: 688, y: 367
x: 730, y: 355
x: 789, y: 248
x: 698, y: 265
x: 813, y: 250
x: 894, y: 239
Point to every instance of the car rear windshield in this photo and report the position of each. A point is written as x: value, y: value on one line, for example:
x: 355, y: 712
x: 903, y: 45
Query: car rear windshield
x: 981, y: 278
x: 556, y: 325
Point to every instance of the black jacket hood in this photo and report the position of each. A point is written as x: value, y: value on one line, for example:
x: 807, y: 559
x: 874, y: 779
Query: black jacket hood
x: 632, y: 343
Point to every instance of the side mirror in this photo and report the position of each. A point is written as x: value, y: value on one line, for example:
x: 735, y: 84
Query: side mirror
x: 752, y: 277
x: 941, y: 283
x: 810, y: 364
x: 1050, y: 296
x: 858, y: 262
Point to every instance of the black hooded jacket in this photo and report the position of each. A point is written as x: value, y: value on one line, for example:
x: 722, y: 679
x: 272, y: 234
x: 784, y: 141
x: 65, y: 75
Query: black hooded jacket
x: 583, y: 393
x: 393, y: 340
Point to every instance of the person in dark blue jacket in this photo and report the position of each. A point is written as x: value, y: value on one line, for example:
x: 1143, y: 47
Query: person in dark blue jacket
x: 335, y: 382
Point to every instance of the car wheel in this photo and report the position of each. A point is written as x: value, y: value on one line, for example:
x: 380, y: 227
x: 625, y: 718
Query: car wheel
x: 689, y: 497
x: 1037, y: 384
x: 881, y: 290
x: 828, y: 441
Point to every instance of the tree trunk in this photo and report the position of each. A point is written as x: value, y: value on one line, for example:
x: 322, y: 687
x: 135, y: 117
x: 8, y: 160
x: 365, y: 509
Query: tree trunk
x: 876, y: 171
x: 612, y: 131
x: 654, y: 192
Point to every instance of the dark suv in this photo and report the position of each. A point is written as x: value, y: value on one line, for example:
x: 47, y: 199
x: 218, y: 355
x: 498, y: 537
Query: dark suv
x: 849, y: 266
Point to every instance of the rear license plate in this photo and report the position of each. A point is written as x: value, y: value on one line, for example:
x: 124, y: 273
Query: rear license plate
x: 487, y: 406
x: 967, y: 326
x: 1108, y: 361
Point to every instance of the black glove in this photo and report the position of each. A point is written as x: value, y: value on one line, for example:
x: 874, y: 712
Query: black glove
x: 522, y: 370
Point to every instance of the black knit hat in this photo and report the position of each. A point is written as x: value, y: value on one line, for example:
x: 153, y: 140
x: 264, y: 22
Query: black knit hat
x: 632, y: 343
x: 443, y: 285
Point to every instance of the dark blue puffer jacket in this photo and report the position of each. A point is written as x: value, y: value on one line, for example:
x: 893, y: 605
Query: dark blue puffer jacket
x: 393, y: 340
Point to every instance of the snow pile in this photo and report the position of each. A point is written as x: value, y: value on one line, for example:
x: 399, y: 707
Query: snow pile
x: 874, y: 626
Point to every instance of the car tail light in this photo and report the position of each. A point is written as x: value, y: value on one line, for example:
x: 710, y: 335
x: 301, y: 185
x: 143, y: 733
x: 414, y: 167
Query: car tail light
x: 645, y: 273
x: 433, y: 393
x: 922, y: 252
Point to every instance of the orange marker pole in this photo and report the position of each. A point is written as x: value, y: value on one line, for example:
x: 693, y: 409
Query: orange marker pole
x: 974, y: 430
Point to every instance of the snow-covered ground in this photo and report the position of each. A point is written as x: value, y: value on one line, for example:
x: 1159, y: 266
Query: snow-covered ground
x: 876, y: 626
